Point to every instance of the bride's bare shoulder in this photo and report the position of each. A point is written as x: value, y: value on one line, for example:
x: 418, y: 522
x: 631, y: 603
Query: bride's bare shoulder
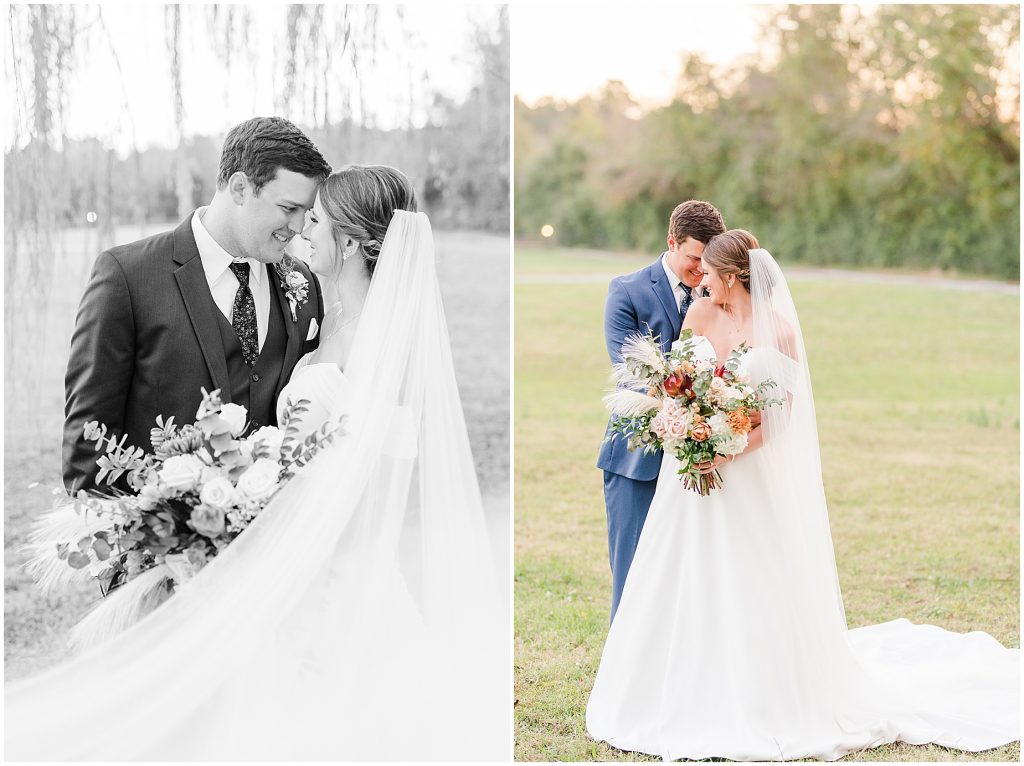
x: 699, y: 314
x: 786, y: 336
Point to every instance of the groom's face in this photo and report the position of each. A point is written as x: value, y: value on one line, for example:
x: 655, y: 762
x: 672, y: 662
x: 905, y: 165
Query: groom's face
x: 268, y: 219
x: 684, y: 260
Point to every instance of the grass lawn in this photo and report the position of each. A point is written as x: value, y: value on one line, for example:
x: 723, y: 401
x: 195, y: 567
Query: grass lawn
x: 473, y: 272
x: 916, y: 391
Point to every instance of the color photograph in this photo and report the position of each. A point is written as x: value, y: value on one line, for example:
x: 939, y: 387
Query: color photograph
x: 766, y: 359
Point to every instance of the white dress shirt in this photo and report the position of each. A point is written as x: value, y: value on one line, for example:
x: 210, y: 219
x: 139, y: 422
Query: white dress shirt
x: 221, y: 279
x: 677, y: 285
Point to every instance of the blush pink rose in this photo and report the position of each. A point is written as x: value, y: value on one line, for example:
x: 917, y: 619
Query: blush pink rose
x: 678, y: 426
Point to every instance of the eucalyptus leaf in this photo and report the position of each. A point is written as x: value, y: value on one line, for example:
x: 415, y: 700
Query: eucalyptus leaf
x: 78, y: 560
x: 102, y: 549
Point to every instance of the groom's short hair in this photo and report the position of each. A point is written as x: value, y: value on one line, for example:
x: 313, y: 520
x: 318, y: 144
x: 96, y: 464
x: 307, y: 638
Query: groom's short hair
x: 258, y: 147
x: 693, y: 218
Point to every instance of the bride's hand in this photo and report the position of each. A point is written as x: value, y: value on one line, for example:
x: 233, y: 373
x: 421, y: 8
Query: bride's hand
x: 711, y: 465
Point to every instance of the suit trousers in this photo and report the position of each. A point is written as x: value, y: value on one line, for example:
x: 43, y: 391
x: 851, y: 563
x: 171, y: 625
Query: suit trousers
x: 626, y: 502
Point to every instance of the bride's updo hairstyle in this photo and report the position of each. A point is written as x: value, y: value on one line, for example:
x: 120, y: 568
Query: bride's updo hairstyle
x: 360, y: 200
x: 729, y: 253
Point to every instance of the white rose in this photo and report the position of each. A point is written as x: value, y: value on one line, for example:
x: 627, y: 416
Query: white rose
x: 181, y: 472
x: 236, y: 416
x: 218, y: 492
x: 717, y: 384
x: 719, y: 426
x: 260, y: 479
x: 732, y: 445
x: 269, y: 436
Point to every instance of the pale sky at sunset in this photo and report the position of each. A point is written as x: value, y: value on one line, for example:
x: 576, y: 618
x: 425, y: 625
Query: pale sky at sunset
x: 567, y: 51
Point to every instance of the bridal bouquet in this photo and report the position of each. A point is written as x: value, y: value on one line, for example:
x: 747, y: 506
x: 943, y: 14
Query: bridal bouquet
x: 202, y: 485
x: 684, y: 405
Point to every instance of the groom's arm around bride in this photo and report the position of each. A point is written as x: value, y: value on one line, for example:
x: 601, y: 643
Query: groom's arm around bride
x: 203, y: 305
x: 653, y: 299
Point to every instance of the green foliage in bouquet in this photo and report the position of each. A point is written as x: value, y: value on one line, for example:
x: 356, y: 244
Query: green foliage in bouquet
x: 690, y: 406
x: 200, y: 488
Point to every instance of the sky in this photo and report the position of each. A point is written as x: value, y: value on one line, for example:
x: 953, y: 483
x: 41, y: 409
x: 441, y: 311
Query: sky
x: 635, y: 43
x: 128, y: 99
x: 566, y: 51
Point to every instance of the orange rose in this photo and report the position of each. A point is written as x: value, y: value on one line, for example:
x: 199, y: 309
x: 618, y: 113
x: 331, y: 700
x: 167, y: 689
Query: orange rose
x: 701, y: 432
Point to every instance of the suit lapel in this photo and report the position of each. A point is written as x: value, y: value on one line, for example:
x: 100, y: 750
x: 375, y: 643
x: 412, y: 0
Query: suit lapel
x: 195, y: 292
x: 661, y: 287
x: 294, y: 346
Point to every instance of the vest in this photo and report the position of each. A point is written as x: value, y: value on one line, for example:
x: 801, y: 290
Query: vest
x: 254, y: 387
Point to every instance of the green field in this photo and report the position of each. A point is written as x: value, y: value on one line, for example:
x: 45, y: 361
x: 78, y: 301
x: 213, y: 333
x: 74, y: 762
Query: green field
x: 916, y: 389
x: 473, y: 272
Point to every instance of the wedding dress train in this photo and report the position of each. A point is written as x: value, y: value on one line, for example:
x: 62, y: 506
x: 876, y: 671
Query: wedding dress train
x: 730, y: 639
x: 357, y: 618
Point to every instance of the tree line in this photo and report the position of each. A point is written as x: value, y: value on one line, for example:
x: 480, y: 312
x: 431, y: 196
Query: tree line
x: 867, y: 138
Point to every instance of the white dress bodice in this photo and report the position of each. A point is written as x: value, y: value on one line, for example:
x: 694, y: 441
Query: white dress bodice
x: 729, y: 641
x: 325, y: 389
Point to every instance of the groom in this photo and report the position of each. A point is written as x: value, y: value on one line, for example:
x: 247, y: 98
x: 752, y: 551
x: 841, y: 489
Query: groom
x: 654, y: 298
x: 200, y: 306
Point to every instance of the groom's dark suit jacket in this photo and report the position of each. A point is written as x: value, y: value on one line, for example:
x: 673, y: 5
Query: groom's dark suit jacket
x: 639, y: 302
x: 149, y: 336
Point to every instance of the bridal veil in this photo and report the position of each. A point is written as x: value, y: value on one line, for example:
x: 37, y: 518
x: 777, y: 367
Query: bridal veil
x: 359, y: 617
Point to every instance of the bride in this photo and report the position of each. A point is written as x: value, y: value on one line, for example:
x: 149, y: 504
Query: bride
x: 358, y: 617
x: 731, y: 638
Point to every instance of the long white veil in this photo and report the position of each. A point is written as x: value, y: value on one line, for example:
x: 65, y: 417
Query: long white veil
x: 791, y: 436
x: 358, y: 618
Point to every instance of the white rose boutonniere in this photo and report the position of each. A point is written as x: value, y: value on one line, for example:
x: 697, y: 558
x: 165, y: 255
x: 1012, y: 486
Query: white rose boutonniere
x: 296, y: 289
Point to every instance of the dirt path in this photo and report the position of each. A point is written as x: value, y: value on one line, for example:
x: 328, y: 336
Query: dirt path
x: 806, y: 274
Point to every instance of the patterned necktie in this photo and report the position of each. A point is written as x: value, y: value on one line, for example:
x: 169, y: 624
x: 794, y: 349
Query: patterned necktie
x: 243, y: 314
x: 685, y: 301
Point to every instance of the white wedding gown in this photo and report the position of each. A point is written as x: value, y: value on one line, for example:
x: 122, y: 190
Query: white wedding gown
x: 726, y: 643
x: 357, y: 618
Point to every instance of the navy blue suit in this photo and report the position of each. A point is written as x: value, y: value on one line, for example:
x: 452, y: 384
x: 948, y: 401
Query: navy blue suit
x: 636, y: 302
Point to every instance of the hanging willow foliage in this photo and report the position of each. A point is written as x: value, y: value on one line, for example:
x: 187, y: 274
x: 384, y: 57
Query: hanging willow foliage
x: 35, y: 197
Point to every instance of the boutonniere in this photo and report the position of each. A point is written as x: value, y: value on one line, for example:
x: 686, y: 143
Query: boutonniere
x: 296, y: 288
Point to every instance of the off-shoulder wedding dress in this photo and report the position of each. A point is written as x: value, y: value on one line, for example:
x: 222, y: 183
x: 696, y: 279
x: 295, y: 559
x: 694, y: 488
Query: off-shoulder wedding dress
x: 358, y: 618
x: 731, y: 639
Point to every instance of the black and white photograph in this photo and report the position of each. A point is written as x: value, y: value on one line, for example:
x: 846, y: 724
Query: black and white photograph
x: 257, y: 382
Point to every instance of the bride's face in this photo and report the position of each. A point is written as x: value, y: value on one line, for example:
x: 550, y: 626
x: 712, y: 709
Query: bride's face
x: 716, y: 286
x: 324, y: 258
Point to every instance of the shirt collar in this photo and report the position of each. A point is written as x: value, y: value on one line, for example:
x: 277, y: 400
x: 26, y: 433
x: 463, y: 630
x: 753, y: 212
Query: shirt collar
x: 214, y: 257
